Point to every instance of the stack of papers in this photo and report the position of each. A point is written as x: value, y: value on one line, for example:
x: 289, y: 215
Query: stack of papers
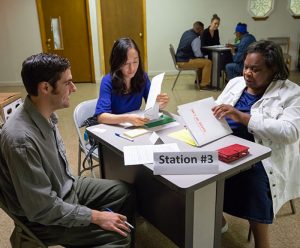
x: 144, y: 154
x: 135, y: 132
x: 201, y: 122
x: 183, y: 135
x: 162, y: 120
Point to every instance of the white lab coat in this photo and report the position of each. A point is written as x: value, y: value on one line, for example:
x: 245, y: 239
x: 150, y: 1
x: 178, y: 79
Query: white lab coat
x: 275, y: 123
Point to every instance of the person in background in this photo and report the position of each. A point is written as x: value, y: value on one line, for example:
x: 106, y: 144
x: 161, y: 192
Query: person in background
x: 263, y: 106
x: 235, y: 68
x: 210, y: 35
x: 189, y: 54
x: 35, y: 178
x: 123, y: 89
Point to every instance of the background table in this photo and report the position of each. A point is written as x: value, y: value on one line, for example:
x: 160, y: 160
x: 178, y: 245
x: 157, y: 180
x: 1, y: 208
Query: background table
x: 216, y: 52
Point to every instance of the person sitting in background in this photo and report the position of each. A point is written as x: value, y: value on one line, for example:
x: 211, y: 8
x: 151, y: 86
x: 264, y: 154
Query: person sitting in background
x: 210, y: 36
x: 235, y: 68
x: 263, y: 106
x: 35, y: 177
x: 189, y: 54
x: 123, y: 89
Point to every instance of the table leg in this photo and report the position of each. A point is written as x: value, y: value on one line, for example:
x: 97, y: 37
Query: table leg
x: 215, y: 69
x: 200, y: 217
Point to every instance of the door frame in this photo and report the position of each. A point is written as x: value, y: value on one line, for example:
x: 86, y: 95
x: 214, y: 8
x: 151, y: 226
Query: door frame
x: 44, y: 38
x: 100, y: 37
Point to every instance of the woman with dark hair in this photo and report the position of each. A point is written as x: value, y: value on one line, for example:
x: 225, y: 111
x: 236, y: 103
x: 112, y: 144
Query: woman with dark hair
x: 210, y: 36
x: 263, y: 106
x: 123, y: 89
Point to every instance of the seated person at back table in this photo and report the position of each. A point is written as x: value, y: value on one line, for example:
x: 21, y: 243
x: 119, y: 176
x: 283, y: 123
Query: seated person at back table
x: 211, y: 37
x: 35, y: 177
x: 123, y: 89
x: 263, y: 106
x: 235, y: 68
x: 189, y: 54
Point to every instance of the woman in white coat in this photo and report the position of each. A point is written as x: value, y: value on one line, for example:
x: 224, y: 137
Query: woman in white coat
x: 263, y: 106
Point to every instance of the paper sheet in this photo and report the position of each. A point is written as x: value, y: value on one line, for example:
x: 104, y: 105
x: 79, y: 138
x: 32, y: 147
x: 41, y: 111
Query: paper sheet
x: 202, y: 124
x: 96, y: 130
x: 183, y: 135
x: 135, y: 132
x: 144, y: 154
x: 152, y: 108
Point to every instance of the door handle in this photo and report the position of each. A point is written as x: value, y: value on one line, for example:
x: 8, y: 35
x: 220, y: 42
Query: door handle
x: 48, y: 42
x: 141, y: 34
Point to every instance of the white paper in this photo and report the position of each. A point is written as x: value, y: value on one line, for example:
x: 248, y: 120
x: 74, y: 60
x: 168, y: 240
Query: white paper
x: 152, y: 107
x: 144, y: 154
x: 96, y: 130
x: 155, y: 139
x: 201, y: 122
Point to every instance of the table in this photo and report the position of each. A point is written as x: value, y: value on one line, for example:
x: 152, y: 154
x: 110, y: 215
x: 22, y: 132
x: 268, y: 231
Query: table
x: 185, y: 208
x: 216, y: 51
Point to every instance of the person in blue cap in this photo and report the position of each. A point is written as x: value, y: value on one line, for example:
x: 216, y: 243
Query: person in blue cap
x: 235, y: 68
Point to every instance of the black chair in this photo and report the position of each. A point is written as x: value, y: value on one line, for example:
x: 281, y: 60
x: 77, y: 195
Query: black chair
x: 21, y: 236
x: 180, y: 69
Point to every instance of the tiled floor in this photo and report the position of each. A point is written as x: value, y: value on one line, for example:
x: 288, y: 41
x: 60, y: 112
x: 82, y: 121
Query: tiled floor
x: 285, y: 232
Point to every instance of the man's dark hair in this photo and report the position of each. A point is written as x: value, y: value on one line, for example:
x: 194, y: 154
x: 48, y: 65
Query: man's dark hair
x: 273, y: 56
x: 42, y: 67
x: 117, y: 59
x: 197, y: 24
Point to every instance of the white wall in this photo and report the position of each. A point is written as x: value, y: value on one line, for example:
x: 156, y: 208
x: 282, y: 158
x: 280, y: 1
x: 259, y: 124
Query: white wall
x: 168, y: 19
x: 19, y: 37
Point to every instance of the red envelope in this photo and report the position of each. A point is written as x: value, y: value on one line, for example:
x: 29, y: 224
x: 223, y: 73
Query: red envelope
x: 233, y: 152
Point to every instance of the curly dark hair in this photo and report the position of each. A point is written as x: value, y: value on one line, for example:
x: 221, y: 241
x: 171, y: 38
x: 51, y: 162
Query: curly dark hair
x: 117, y: 59
x: 42, y: 67
x: 272, y: 53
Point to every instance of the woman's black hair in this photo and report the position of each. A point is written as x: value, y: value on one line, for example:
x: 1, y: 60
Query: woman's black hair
x: 117, y: 59
x: 273, y: 56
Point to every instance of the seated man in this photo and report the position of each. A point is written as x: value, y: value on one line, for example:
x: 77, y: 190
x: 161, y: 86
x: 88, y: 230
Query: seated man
x: 35, y: 177
x: 189, y: 54
x: 235, y: 68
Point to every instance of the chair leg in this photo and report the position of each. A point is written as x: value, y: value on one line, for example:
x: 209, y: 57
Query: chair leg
x: 176, y: 79
x: 197, y: 78
x: 79, y: 161
x: 15, y: 238
x: 249, y: 234
x: 293, y: 206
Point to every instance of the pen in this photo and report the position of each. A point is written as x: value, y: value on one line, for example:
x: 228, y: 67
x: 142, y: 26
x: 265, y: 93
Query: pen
x: 131, y: 226
x: 122, y: 136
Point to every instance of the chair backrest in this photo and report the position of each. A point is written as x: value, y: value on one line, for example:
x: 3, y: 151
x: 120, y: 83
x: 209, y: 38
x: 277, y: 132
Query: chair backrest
x: 172, y: 51
x: 83, y: 111
x: 283, y: 42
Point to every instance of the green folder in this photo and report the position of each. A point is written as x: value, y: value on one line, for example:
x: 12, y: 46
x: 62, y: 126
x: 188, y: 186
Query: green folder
x: 163, y: 119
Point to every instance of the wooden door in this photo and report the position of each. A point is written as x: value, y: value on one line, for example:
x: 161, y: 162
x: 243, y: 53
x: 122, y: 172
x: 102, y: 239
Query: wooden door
x: 122, y: 18
x: 65, y: 31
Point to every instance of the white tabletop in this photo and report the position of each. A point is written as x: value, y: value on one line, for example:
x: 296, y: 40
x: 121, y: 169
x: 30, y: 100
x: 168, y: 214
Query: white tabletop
x: 217, y: 48
x: 257, y: 152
